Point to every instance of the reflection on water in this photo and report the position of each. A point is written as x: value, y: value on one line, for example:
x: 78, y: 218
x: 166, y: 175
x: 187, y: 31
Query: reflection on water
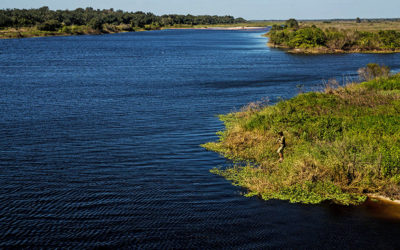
x: 383, y: 209
x: 100, y: 144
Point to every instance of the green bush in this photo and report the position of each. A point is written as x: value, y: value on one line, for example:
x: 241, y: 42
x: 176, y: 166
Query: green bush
x: 75, y: 29
x: 277, y: 27
x: 373, y: 71
x: 335, y: 39
x: 309, y: 37
x: 279, y: 37
x: 390, y: 39
x: 66, y: 29
x: 292, y: 24
x: 391, y: 83
x: 51, y: 25
x: 96, y: 23
x: 5, y: 21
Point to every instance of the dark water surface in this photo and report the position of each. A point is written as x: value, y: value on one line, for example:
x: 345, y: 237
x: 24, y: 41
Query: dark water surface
x: 99, y: 144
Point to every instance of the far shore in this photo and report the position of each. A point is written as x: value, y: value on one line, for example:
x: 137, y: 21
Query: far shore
x: 335, y: 37
x: 324, y: 50
x: 220, y: 28
x: 30, y: 32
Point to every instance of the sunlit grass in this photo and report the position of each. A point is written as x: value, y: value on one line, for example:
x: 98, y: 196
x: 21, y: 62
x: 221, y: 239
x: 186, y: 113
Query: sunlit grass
x: 342, y: 144
x: 372, y: 26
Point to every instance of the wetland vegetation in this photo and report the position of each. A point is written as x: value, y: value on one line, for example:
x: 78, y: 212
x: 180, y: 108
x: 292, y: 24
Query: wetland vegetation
x: 342, y: 143
x: 336, y: 37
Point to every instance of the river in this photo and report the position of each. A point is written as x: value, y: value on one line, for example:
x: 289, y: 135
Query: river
x: 100, y: 135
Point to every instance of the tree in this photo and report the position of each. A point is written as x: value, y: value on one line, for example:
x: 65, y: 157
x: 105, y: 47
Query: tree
x: 51, y: 25
x: 96, y: 23
x: 292, y: 24
x: 358, y: 20
x: 5, y: 21
x: 307, y: 38
x: 49, y: 20
x: 240, y: 20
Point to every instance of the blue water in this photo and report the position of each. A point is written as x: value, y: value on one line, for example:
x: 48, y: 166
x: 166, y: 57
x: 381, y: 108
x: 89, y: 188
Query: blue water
x: 100, y: 135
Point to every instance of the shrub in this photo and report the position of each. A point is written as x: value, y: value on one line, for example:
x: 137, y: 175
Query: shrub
x: 51, y: 25
x: 66, y: 29
x: 335, y: 39
x: 292, y: 24
x: 96, y: 23
x: 277, y: 27
x: 308, y: 37
x: 391, y: 83
x: 390, y: 39
x: 5, y: 21
x: 372, y: 71
x: 75, y: 29
x: 279, y: 37
x: 368, y: 41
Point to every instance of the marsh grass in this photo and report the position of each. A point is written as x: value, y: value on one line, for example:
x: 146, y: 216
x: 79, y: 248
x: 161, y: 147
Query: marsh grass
x: 25, y: 32
x: 365, y: 25
x: 343, y: 143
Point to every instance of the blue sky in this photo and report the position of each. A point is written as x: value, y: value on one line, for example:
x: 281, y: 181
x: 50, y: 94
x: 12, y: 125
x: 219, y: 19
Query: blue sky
x: 249, y: 9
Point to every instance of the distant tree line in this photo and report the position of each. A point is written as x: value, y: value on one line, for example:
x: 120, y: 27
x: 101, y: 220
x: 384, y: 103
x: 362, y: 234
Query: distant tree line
x: 291, y: 35
x: 45, y: 19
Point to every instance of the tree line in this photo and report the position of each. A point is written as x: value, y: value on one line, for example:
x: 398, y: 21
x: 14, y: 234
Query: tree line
x: 51, y: 20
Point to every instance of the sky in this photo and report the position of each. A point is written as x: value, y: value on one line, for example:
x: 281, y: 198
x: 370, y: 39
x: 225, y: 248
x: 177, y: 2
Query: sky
x: 248, y: 9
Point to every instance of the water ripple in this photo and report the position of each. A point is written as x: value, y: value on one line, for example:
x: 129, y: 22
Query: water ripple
x: 100, y: 144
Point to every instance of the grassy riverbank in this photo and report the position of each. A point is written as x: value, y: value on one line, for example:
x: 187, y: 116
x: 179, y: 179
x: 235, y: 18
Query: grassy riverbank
x: 26, y: 32
x: 72, y: 30
x: 364, y: 25
x: 260, y: 24
x: 336, y: 37
x: 342, y: 145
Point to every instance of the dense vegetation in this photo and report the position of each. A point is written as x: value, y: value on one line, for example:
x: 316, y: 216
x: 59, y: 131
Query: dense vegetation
x: 306, y: 38
x: 342, y: 143
x: 84, y: 20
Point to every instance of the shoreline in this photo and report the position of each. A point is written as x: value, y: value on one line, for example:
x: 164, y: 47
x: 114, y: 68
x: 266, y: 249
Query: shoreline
x: 322, y: 162
x: 220, y: 28
x: 384, y: 199
x: 327, y: 51
x: 301, y: 38
x: 30, y: 32
x: 382, y: 207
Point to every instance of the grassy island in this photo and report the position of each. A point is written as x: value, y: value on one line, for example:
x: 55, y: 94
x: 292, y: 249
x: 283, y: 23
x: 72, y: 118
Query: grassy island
x: 322, y: 38
x: 342, y: 144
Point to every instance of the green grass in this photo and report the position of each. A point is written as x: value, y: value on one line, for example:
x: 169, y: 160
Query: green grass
x: 342, y: 144
x: 370, y: 26
x: 384, y: 84
x: 64, y: 31
x: 247, y: 24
